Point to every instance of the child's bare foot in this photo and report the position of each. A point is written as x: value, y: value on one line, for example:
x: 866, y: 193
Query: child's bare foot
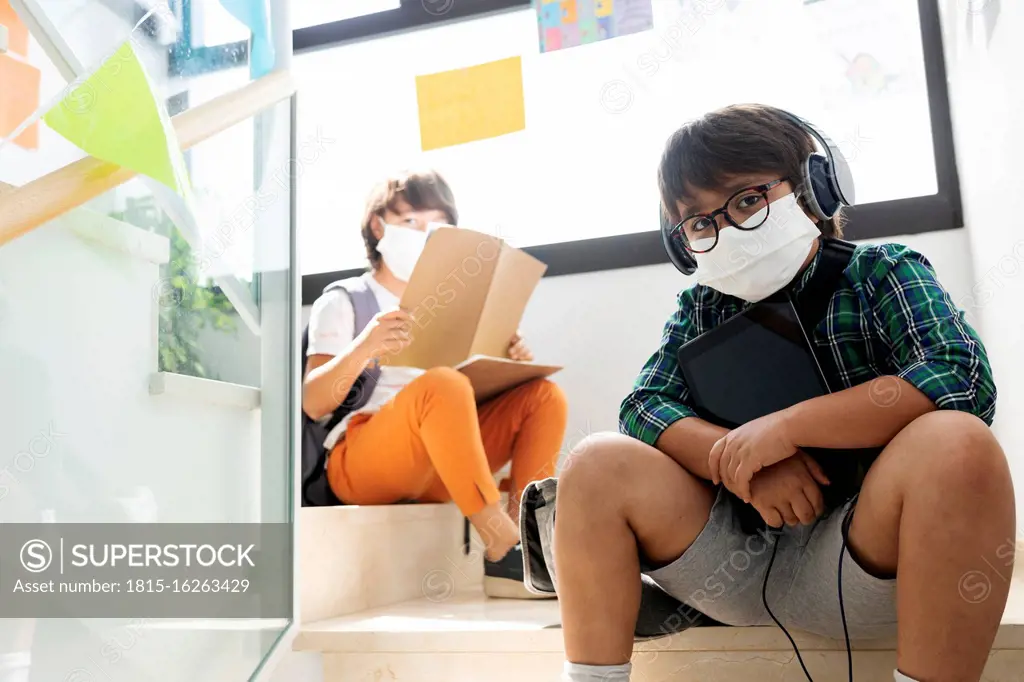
x: 497, y: 530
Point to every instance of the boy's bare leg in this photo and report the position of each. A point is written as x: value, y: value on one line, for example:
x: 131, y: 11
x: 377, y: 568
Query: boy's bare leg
x: 617, y: 493
x: 939, y: 504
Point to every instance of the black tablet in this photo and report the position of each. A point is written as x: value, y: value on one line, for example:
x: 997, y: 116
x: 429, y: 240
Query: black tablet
x: 753, y: 364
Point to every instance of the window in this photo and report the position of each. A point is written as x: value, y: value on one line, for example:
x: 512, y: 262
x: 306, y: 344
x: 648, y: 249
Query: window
x: 577, y: 187
x: 209, y: 39
x: 212, y: 25
x: 316, y: 12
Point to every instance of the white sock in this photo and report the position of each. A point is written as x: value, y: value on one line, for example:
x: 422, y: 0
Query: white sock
x: 574, y: 672
x: 900, y: 677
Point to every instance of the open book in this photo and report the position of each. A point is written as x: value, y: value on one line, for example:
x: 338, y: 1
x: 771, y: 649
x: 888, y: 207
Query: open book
x: 492, y: 376
x: 467, y: 295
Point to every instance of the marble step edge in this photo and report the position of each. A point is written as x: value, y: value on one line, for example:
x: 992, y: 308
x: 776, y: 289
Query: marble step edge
x: 320, y: 637
x: 386, y: 513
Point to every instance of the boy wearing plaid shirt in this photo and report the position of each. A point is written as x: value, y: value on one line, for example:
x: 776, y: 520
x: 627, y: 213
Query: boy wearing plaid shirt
x: 916, y: 386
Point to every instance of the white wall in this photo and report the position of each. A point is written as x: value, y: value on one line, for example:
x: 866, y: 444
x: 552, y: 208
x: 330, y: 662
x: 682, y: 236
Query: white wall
x: 987, y: 94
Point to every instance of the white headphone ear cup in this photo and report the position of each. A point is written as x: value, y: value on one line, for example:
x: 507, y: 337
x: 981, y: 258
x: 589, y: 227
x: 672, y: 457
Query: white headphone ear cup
x: 809, y: 192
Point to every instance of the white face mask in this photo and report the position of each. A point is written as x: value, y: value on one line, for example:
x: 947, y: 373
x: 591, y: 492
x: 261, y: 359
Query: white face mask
x: 754, y: 264
x: 401, y: 248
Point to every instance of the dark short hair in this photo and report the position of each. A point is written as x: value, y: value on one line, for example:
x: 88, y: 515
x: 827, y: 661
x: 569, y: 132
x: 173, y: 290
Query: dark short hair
x: 422, y: 190
x: 741, y: 139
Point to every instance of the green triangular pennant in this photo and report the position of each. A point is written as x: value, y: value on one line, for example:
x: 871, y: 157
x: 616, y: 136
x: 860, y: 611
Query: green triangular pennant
x: 115, y: 116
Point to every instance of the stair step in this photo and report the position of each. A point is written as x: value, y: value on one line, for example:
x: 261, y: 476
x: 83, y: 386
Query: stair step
x: 355, y: 558
x: 469, y: 637
x: 466, y: 622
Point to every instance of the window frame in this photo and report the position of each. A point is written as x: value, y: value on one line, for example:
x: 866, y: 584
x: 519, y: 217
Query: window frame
x: 184, y: 60
x: 915, y: 215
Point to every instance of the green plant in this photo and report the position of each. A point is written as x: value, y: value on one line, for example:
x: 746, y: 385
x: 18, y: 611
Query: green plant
x: 189, y: 308
x: 186, y: 305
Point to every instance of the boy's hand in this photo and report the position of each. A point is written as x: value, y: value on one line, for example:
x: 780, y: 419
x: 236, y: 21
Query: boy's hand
x: 388, y: 332
x: 517, y: 349
x: 788, y: 492
x: 744, y: 451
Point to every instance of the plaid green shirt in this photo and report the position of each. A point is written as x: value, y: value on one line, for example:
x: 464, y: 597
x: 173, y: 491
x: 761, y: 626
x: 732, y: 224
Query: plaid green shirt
x: 888, y: 317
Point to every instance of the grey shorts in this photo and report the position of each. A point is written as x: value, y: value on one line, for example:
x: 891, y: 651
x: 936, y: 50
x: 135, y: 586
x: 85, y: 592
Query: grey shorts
x: 722, y: 573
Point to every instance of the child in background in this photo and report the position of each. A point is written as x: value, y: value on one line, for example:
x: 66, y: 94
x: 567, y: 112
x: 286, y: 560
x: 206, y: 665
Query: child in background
x: 409, y: 434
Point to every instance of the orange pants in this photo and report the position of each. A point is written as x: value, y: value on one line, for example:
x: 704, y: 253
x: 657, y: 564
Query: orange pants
x: 432, y: 443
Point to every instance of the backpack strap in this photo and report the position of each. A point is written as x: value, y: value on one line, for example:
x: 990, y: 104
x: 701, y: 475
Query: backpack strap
x: 364, y: 303
x: 315, y: 488
x: 364, y: 308
x: 845, y: 467
x: 812, y: 302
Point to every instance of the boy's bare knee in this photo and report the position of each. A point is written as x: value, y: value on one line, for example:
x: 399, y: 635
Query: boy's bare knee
x: 956, y: 452
x: 598, y: 464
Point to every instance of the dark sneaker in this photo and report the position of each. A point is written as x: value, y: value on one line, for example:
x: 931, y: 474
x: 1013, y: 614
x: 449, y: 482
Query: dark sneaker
x: 503, y: 579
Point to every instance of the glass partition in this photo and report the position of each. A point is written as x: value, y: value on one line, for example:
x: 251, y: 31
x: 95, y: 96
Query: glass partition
x: 98, y: 309
x: 149, y: 380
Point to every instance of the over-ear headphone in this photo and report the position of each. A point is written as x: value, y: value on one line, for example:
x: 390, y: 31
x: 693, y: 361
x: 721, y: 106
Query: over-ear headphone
x: 826, y: 183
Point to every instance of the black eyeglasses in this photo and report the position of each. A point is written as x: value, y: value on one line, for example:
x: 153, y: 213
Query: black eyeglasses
x: 699, y: 232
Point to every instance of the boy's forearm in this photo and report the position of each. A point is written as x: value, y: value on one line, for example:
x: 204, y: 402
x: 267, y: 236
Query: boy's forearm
x: 327, y: 386
x: 689, y: 442
x: 865, y: 416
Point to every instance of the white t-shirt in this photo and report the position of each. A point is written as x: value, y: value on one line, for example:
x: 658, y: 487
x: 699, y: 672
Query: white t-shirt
x: 332, y: 323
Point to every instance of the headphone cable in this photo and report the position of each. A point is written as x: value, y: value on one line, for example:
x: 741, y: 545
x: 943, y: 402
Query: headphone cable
x: 764, y: 600
x: 842, y: 609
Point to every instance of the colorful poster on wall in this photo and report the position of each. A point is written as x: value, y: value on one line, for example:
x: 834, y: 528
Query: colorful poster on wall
x: 474, y: 103
x: 569, y: 23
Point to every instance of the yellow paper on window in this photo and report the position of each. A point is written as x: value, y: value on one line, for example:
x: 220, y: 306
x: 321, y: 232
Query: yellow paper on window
x: 474, y: 103
x: 114, y: 115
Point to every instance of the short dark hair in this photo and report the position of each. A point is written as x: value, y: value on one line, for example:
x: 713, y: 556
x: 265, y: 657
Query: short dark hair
x: 740, y: 139
x: 423, y: 190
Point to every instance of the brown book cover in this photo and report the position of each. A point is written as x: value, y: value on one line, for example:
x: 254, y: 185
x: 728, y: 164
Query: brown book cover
x: 467, y: 296
x: 492, y: 376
